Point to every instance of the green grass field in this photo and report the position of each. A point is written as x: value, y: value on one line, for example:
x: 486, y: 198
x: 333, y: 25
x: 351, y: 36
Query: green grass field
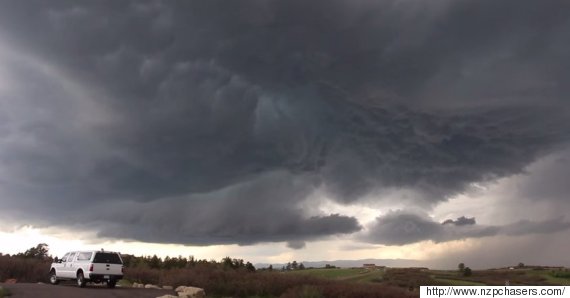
x: 452, y: 278
x: 439, y: 277
x: 556, y: 280
x: 496, y: 277
x: 547, y: 275
x: 348, y: 274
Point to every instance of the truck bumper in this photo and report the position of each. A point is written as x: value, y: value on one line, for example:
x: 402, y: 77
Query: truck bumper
x: 101, y: 277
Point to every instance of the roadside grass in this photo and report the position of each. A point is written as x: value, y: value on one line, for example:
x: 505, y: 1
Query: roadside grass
x: 344, y: 274
x: 125, y: 283
x: 332, y: 273
x: 410, y: 278
x: 4, y: 292
x: 459, y: 282
x: 370, y: 276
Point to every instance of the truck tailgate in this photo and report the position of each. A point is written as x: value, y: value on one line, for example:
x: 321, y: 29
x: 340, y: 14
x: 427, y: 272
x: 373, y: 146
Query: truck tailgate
x: 107, y: 269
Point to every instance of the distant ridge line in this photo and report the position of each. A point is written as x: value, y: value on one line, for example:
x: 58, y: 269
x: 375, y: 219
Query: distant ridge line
x: 352, y: 263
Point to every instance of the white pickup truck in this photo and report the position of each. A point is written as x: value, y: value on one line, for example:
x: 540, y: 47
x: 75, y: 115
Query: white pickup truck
x: 88, y: 266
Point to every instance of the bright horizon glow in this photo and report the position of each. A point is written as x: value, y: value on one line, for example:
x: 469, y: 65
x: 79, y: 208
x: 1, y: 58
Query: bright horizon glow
x: 26, y: 237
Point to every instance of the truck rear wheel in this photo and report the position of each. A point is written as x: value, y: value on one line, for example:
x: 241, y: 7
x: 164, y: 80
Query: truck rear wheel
x: 81, y: 280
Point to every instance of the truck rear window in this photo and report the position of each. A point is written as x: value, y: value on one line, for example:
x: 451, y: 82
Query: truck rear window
x: 107, y: 258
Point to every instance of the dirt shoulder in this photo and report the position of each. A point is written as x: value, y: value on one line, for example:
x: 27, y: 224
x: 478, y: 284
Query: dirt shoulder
x: 72, y: 291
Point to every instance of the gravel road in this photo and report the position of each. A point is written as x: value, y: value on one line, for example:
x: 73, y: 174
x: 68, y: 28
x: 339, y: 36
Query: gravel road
x: 71, y: 291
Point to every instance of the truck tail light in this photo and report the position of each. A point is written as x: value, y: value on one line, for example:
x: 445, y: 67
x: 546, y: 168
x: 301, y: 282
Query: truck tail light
x: 91, y: 267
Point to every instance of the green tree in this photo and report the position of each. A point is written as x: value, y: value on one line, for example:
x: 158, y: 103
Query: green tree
x: 301, y: 267
x: 155, y: 262
x: 227, y: 263
x: 461, y: 267
x: 238, y: 263
x: 270, y: 268
x: 521, y: 265
x: 170, y: 263
x: 138, y: 262
x: 39, y: 252
x: 249, y: 267
x: 183, y: 262
x: 294, y: 265
x: 467, y: 271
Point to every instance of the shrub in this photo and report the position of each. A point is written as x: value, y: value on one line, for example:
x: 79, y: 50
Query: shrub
x: 24, y: 269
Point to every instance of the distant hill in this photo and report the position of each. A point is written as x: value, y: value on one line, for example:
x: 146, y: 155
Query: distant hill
x: 445, y: 264
x: 354, y: 263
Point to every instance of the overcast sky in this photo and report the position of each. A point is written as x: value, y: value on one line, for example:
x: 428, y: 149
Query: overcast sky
x: 275, y: 130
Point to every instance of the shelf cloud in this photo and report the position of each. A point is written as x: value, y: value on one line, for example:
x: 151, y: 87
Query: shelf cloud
x: 213, y: 122
x: 400, y: 227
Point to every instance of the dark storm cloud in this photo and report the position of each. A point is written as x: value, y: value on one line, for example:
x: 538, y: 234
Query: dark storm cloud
x: 399, y: 228
x: 296, y: 244
x: 460, y: 221
x: 163, y: 112
x: 251, y: 212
